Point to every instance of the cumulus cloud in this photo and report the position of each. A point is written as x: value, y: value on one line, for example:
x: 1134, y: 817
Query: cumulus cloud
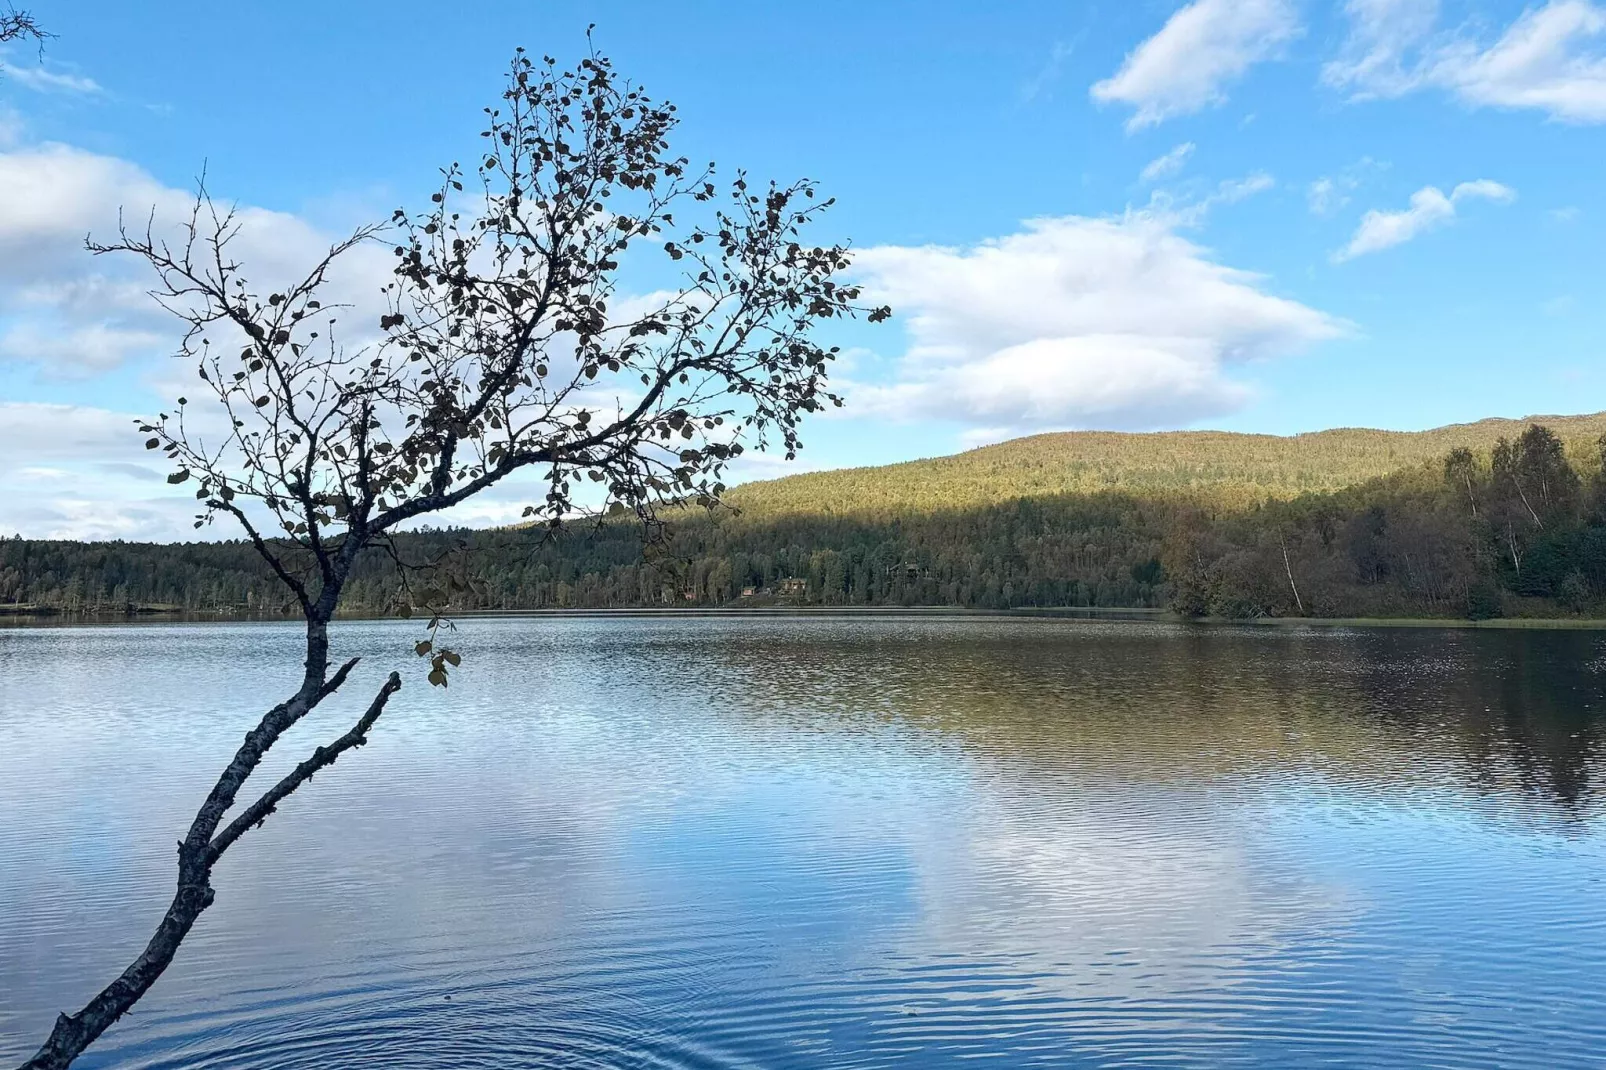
x: 1075, y: 322
x: 67, y: 313
x: 1551, y: 59
x: 1429, y: 208
x: 1186, y: 66
x: 70, y: 313
x: 1169, y: 164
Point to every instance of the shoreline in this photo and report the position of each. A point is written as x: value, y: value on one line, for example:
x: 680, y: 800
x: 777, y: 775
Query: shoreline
x: 10, y: 617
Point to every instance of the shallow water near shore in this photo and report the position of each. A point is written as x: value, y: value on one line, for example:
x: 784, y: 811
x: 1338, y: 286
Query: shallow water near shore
x: 826, y: 841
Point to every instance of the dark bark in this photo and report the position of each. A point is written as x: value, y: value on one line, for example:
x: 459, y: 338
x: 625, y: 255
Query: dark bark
x: 19, y: 25
x: 203, y: 845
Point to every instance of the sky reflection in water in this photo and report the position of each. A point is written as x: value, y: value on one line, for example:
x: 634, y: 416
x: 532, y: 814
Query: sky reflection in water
x: 846, y: 842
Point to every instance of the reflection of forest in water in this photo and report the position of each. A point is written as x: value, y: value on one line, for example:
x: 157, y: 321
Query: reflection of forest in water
x: 886, y: 837
x: 1516, y: 715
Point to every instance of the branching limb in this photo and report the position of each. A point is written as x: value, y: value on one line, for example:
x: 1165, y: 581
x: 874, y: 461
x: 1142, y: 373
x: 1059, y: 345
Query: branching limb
x: 197, y: 853
x: 19, y: 25
x: 259, y: 811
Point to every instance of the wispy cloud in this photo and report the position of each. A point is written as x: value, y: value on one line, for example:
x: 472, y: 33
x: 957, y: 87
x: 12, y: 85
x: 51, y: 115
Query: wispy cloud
x: 1186, y: 66
x: 1041, y: 82
x: 1185, y: 211
x: 1380, y: 55
x: 1327, y: 194
x: 1429, y: 208
x: 1169, y: 164
x: 1324, y: 196
x: 44, y: 80
x: 1550, y: 59
x: 1539, y: 63
x: 1234, y: 190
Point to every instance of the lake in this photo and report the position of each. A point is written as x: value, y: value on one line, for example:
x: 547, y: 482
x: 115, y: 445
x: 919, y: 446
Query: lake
x: 826, y: 842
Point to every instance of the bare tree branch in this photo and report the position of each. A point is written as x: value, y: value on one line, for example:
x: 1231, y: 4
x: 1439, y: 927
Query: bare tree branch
x: 20, y: 25
x: 259, y: 811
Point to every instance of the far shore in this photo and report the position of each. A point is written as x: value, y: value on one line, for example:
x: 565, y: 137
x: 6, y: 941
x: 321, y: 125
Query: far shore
x: 47, y: 616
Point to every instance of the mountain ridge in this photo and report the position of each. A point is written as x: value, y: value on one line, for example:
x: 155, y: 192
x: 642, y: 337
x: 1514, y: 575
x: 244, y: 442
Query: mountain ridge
x: 1234, y: 468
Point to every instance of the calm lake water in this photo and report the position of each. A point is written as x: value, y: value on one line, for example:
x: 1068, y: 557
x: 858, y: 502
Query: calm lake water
x: 827, y: 842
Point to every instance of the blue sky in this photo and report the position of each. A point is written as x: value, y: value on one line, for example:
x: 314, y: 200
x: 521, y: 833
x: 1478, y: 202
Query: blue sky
x: 1259, y: 215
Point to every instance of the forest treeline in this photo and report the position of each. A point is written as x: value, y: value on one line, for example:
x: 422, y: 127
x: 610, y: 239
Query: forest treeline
x: 1518, y: 529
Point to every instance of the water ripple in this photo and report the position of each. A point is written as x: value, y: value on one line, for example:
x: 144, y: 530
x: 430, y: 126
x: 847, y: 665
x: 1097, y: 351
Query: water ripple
x: 876, y: 842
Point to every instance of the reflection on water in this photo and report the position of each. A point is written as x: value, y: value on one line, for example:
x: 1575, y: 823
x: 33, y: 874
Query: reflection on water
x: 829, y: 842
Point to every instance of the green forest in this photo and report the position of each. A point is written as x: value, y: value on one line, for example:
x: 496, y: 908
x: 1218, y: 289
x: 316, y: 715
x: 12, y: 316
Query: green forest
x: 1480, y: 520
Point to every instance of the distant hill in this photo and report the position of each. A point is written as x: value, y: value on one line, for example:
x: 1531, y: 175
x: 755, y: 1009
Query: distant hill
x: 1339, y: 524
x: 1235, y: 468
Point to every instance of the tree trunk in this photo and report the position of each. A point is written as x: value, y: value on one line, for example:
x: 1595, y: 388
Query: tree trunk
x: 1524, y: 496
x: 73, y: 1033
x: 1291, y: 585
x: 198, y: 852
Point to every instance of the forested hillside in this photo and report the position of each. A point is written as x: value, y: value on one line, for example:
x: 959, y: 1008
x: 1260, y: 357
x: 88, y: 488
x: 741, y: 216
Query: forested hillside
x: 1234, y: 469
x: 1481, y: 519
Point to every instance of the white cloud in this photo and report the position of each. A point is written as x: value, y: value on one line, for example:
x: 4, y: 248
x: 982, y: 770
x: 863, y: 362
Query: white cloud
x: 87, y: 475
x: 57, y: 433
x: 1169, y: 164
x: 62, y: 310
x: 70, y: 313
x: 1050, y: 73
x: 67, y: 313
x: 1324, y: 197
x: 1075, y: 322
x: 76, y: 351
x: 1538, y: 63
x: 1429, y: 208
x: 1383, y: 34
x: 1206, y: 45
x: 1234, y: 190
x: 1190, y: 211
x: 81, y: 479
x: 11, y: 126
x: 1329, y: 193
x: 43, y: 80
x: 1543, y: 60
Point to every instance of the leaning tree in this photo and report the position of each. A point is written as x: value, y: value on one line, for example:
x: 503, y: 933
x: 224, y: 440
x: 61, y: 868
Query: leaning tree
x: 501, y: 346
